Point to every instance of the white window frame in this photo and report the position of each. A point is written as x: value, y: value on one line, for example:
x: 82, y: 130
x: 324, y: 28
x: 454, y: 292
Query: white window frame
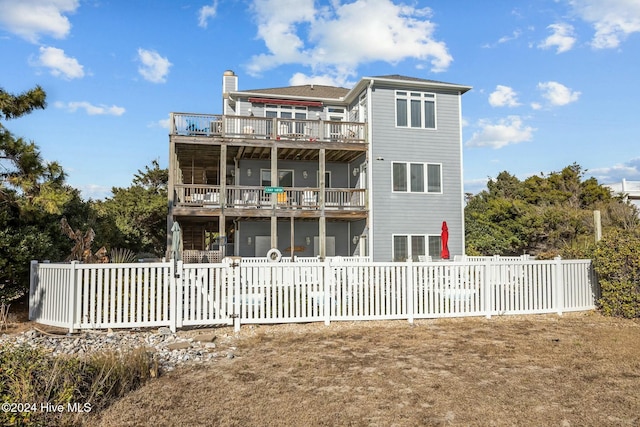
x: 408, y: 237
x: 327, y: 179
x: 416, y: 96
x: 425, y: 175
x: 280, y: 171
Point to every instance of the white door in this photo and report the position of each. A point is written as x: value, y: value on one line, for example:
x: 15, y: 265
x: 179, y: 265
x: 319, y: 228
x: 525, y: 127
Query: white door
x: 262, y: 245
x: 331, y: 246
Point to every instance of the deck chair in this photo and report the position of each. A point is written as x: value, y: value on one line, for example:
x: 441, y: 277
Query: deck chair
x: 309, y: 198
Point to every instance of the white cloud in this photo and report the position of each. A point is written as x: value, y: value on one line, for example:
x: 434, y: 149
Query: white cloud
x: 91, y: 109
x: 506, y: 131
x: 30, y: 19
x: 562, y: 38
x: 558, y: 94
x: 153, y: 68
x: 503, y: 96
x: 95, y: 192
x: 335, y: 39
x: 629, y: 170
x: 505, y: 39
x: 613, y: 20
x: 162, y: 123
x: 59, y: 64
x: 207, y: 12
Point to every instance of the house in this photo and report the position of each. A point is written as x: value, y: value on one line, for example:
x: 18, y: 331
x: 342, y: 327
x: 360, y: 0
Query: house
x: 323, y: 171
x: 629, y: 189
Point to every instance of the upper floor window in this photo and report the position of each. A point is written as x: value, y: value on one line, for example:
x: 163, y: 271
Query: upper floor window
x: 417, y: 177
x: 416, y: 110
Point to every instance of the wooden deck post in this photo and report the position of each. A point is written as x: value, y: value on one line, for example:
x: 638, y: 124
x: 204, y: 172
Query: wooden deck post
x: 322, y: 226
x: 274, y: 197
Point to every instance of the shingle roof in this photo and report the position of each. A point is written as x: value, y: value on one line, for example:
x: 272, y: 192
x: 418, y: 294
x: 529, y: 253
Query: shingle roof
x: 304, y: 91
x: 410, y: 79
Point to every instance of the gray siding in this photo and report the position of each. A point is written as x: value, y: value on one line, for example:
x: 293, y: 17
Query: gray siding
x: 415, y: 213
x: 341, y: 230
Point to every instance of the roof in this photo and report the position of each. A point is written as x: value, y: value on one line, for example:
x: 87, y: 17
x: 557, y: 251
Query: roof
x: 411, y: 79
x: 323, y: 92
x: 304, y: 91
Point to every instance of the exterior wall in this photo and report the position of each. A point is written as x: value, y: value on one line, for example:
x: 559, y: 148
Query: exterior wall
x: 411, y: 213
x: 340, y: 173
x: 342, y: 231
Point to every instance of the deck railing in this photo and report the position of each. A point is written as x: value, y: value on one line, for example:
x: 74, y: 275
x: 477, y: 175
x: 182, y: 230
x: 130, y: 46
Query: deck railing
x: 174, y: 294
x: 256, y: 197
x: 267, y: 128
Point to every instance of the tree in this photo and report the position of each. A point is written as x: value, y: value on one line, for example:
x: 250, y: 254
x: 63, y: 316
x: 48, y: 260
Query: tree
x: 14, y: 106
x: 542, y: 215
x: 135, y: 217
x: 32, y: 196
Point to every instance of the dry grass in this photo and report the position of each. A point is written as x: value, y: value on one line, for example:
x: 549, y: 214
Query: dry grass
x: 574, y: 370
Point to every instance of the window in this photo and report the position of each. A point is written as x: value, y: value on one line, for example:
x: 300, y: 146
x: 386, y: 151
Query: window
x: 435, y: 246
x: 327, y: 179
x: 416, y: 110
x: 285, y: 178
x: 411, y: 177
x: 286, y: 112
x: 407, y: 246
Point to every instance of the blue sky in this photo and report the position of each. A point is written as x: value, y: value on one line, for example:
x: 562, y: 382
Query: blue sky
x: 554, y: 81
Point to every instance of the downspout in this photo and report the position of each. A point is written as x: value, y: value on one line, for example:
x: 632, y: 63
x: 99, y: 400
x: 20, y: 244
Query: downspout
x: 236, y: 243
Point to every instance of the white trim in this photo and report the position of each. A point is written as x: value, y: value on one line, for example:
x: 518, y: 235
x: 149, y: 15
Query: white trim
x: 424, y: 97
x: 461, y: 168
x: 409, y: 236
x: 293, y: 177
x: 425, y: 178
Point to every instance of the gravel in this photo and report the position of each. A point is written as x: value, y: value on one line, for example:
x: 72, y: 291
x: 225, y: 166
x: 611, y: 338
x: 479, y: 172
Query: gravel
x: 170, y: 349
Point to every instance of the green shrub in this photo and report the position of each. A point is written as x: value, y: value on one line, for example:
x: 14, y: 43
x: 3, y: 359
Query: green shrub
x: 617, y: 263
x: 31, y: 375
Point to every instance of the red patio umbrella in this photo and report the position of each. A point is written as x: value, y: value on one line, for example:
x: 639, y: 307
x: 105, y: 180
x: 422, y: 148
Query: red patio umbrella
x: 444, y: 236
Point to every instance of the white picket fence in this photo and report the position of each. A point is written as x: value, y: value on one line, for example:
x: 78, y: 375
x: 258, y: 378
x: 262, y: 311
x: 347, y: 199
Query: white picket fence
x: 173, y: 294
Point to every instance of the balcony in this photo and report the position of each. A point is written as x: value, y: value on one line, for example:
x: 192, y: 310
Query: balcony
x: 250, y: 127
x: 255, y: 201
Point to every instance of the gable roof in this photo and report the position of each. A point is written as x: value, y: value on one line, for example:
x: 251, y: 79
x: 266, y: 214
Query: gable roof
x: 410, y: 79
x: 304, y: 91
x: 322, y: 92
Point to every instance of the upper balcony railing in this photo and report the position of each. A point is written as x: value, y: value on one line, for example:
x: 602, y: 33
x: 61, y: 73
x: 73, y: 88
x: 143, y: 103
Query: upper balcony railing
x: 256, y: 197
x: 267, y: 128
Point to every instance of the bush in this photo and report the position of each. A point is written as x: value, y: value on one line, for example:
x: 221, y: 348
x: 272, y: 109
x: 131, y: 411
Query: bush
x: 29, y: 374
x: 617, y: 263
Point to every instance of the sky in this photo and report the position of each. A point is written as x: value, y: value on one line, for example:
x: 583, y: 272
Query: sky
x: 555, y: 82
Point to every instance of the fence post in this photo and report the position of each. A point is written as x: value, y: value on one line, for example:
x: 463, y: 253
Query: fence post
x: 409, y: 289
x: 32, y: 288
x: 72, y: 296
x: 488, y: 284
x: 559, y: 285
x: 327, y: 279
x: 175, y: 303
x: 237, y: 297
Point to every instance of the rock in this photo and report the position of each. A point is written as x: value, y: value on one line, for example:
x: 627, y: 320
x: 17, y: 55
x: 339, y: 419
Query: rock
x: 169, y: 350
x: 178, y: 345
x: 205, y: 338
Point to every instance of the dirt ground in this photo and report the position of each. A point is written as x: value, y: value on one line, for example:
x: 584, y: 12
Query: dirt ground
x: 579, y: 369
